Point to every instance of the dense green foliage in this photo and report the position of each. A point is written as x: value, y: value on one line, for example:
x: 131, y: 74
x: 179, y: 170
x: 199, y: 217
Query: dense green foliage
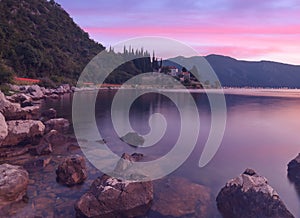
x: 39, y: 39
x: 6, y: 75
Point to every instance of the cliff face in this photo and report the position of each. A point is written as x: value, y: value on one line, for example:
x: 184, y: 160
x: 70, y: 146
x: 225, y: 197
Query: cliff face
x: 39, y: 39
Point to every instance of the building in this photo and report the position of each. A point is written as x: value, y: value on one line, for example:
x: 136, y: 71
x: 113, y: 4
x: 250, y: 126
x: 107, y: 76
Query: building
x: 173, y: 71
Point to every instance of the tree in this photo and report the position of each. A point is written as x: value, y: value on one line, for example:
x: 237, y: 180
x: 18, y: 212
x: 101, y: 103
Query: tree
x: 6, y: 75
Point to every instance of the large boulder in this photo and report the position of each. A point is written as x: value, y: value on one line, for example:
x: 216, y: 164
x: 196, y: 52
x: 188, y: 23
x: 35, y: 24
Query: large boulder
x: 20, y: 131
x: 13, y: 183
x: 3, y: 128
x: 59, y: 124
x: 177, y: 197
x: 72, y: 171
x: 7, y: 108
x: 14, y: 111
x: 294, y: 170
x: 249, y: 195
x: 110, y: 197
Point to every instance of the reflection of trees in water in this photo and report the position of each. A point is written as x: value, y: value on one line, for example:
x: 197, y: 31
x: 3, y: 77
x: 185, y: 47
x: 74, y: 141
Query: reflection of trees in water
x: 296, y: 185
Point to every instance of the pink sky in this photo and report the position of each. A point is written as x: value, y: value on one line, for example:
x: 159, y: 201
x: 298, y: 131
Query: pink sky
x: 250, y: 30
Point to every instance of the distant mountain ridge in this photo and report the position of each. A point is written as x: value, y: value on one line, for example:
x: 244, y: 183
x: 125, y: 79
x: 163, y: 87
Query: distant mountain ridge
x: 238, y: 73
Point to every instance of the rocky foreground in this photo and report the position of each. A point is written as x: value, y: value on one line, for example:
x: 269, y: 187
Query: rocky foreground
x: 43, y: 173
x: 26, y: 136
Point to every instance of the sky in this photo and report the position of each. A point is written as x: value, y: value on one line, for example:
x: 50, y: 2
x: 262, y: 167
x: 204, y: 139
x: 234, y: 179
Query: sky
x: 243, y: 29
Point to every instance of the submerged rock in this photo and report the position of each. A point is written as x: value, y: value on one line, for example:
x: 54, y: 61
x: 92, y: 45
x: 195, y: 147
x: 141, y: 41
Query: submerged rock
x: 177, y: 197
x: 13, y: 183
x: 3, y: 128
x: 23, y: 131
x: 72, y: 171
x: 294, y: 170
x: 110, y: 197
x: 249, y: 195
x: 133, y: 138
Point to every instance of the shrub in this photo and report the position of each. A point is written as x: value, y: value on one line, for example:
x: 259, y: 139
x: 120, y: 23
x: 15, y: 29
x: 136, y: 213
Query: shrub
x: 47, y: 83
x: 6, y: 75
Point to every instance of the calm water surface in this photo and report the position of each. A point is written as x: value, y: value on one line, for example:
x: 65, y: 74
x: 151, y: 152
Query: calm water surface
x: 261, y: 133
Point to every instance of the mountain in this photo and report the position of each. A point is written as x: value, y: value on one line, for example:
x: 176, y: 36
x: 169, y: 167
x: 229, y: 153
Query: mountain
x: 236, y: 73
x: 39, y: 39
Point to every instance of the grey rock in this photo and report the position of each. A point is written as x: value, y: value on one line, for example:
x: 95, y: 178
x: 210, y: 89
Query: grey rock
x: 249, y: 195
x: 35, y: 92
x: 23, y: 130
x: 3, y: 128
x: 133, y: 138
x: 14, y: 111
x: 13, y: 183
x: 59, y: 124
x: 110, y: 197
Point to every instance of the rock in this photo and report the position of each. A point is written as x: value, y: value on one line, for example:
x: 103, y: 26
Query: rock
x: 46, y: 144
x: 20, y: 131
x: 177, y: 197
x: 137, y: 156
x: 27, y: 103
x: 110, y: 197
x: 62, y: 89
x: 43, y: 148
x: 3, y: 128
x: 30, y: 111
x: 294, y: 170
x: 126, y: 162
x: 53, y: 96
x: 13, y: 111
x: 250, y: 195
x: 48, y: 114
x: 19, y: 98
x: 13, y: 184
x: 133, y: 138
x: 35, y: 92
x: 7, y: 108
x: 72, y: 171
x: 59, y: 124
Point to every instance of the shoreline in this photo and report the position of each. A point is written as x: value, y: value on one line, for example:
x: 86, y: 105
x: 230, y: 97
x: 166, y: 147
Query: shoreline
x: 263, y: 92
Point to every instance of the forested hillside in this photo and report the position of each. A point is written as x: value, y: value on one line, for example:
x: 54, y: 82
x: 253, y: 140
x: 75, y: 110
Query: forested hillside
x: 39, y: 39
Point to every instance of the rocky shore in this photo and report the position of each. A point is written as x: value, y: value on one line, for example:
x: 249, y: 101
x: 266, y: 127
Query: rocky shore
x: 43, y: 173
x: 29, y: 140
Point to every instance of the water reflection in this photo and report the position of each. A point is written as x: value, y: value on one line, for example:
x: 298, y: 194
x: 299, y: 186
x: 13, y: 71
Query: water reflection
x: 261, y: 133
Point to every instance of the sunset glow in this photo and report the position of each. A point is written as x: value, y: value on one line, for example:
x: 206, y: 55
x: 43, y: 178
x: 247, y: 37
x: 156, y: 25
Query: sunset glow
x: 250, y: 30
